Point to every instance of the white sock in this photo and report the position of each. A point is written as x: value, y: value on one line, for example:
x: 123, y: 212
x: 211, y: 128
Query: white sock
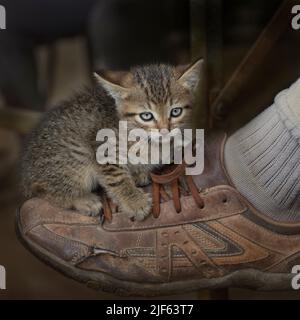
x: 263, y: 158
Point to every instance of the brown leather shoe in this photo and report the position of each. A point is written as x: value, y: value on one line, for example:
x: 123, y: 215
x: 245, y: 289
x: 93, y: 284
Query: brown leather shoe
x: 206, y: 236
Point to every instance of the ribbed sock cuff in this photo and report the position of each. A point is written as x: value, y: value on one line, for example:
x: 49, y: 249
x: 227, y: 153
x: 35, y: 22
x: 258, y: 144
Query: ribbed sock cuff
x: 263, y: 158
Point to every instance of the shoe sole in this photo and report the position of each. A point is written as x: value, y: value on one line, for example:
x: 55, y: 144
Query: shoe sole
x: 246, y: 278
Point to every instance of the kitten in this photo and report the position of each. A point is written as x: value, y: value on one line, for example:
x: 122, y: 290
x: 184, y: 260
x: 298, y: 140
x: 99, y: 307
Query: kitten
x: 59, y: 161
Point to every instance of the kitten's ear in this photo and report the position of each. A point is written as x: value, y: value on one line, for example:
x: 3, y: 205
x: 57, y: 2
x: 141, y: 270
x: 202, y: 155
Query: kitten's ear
x: 113, y: 82
x: 190, y: 75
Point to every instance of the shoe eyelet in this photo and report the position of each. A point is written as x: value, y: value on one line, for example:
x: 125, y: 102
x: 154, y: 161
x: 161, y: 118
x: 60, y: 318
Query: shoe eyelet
x: 224, y: 200
x: 202, y: 207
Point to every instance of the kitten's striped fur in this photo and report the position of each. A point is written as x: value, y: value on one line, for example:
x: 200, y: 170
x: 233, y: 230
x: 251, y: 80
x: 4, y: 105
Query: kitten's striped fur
x: 59, y: 161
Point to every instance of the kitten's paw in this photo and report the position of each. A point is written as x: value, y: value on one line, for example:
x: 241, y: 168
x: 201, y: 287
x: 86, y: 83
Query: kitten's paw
x: 142, y: 179
x: 139, y: 207
x: 89, y: 205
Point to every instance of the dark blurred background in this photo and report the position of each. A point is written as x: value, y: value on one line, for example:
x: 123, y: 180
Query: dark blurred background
x: 50, y: 48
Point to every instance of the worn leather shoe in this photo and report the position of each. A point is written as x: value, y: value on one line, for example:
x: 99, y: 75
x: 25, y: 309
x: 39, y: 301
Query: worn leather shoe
x: 203, y: 234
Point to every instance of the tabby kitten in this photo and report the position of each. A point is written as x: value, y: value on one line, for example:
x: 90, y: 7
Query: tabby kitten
x: 59, y: 161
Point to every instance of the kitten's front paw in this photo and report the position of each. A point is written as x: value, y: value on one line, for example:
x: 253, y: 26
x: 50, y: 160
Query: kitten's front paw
x: 89, y: 205
x: 139, y: 206
x: 142, y: 179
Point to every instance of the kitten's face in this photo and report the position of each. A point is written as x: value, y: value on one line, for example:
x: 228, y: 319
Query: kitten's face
x: 155, y: 96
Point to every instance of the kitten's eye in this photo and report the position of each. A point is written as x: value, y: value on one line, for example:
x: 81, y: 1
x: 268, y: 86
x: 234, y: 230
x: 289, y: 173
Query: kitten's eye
x: 146, y: 116
x: 176, y: 112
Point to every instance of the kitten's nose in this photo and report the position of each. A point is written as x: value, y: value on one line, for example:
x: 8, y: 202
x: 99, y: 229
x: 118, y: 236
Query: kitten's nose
x: 164, y: 131
x: 164, y: 127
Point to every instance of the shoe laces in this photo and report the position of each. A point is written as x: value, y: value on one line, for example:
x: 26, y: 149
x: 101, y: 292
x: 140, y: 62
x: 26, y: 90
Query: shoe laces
x: 179, y: 183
